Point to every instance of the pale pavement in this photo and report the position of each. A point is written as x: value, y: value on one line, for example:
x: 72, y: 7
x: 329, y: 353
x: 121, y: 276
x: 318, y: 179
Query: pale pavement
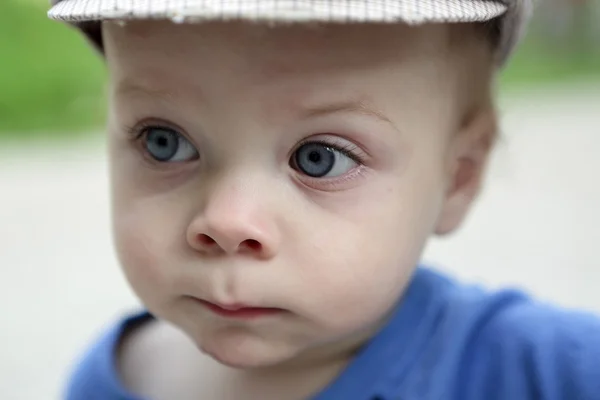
x: 537, y: 225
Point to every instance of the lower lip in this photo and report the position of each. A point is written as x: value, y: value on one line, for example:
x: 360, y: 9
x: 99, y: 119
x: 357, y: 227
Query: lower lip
x: 243, y: 312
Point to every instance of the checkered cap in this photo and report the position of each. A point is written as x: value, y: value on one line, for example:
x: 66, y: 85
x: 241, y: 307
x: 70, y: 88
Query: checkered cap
x: 511, y: 14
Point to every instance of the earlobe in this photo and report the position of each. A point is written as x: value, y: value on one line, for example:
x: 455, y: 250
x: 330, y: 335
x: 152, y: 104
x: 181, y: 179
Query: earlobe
x: 467, y: 162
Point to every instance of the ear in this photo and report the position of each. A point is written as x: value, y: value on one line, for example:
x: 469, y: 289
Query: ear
x: 467, y: 160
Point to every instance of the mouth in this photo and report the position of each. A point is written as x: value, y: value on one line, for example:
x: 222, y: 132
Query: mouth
x: 240, y: 311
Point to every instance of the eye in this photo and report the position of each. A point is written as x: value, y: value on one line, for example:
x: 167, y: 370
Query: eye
x: 320, y: 160
x: 167, y: 145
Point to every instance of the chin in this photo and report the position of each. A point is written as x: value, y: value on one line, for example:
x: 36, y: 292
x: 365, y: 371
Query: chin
x: 237, y: 362
x: 244, y: 353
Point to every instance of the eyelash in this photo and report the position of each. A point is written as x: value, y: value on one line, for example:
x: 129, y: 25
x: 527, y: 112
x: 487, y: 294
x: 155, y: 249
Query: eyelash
x: 136, y: 132
x: 348, y: 149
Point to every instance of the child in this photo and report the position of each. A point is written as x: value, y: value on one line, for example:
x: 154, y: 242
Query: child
x: 277, y: 167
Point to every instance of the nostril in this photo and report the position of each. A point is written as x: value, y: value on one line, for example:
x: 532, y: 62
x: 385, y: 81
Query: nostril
x: 206, y: 240
x: 253, y: 244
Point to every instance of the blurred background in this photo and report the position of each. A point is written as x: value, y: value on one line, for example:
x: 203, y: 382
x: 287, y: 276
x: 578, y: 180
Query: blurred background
x: 536, y: 226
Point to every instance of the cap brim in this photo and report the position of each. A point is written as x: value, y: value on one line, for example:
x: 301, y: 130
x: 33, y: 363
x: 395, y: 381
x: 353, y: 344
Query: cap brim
x: 376, y: 11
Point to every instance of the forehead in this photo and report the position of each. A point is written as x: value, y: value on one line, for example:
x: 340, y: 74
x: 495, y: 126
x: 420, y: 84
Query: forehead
x: 141, y: 45
x: 274, y: 69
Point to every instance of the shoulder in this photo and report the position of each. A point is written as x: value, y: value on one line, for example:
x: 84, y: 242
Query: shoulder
x: 552, y: 342
x: 95, y: 375
x: 511, y: 323
x: 506, y: 344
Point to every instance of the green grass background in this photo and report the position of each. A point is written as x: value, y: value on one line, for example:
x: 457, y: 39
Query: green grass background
x: 52, y: 82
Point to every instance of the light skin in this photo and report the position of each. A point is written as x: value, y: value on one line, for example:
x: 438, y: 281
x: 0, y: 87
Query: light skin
x: 246, y: 206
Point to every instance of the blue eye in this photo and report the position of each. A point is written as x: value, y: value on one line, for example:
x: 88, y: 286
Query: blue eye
x: 318, y: 160
x: 167, y: 145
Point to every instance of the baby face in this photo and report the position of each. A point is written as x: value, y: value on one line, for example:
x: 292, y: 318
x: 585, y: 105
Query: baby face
x: 273, y: 188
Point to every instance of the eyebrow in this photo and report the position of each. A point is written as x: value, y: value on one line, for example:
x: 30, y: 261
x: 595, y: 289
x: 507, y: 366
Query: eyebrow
x: 126, y: 88
x: 129, y: 89
x: 143, y: 89
x: 352, y: 106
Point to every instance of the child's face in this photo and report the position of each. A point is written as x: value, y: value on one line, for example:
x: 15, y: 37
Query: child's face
x: 300, y: 169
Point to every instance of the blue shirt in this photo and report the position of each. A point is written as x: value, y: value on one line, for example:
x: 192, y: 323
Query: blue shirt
x: 445, y: 341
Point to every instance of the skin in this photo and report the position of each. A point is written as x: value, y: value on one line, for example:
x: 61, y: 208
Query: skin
x: 232, y: 220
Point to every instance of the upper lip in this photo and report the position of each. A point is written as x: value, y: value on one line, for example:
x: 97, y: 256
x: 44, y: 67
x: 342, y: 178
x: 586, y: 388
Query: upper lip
x: 234, y: 306
x: 230, y: 306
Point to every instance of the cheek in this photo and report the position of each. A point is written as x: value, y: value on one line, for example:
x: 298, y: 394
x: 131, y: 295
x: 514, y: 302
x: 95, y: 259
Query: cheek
x: 144, y: 235
x: 142, y: 230
x: 360, y: 261
x: 139, y: 252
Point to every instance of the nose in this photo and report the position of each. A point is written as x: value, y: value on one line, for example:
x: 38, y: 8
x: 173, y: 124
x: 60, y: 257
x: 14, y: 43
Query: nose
x: 234, y: 222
